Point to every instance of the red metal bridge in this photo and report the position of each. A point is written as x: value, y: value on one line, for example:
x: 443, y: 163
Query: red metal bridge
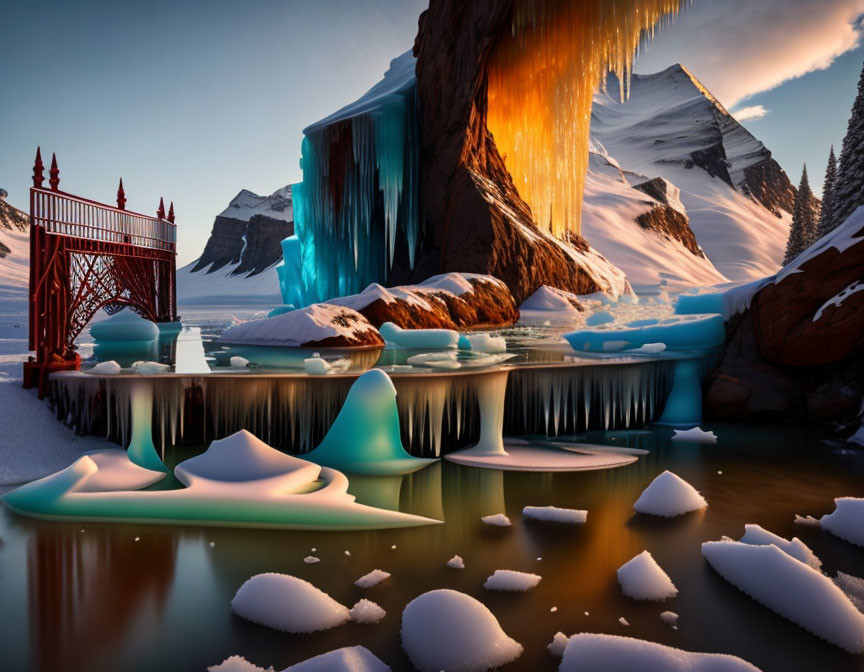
x: 85, y: 256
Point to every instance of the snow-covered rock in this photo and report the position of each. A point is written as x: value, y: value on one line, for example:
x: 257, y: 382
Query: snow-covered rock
x: 508, y: 579
x: 847, y: 520
x: 287, y: 603
x: 449, y: 630
x: 588, y: 652
x: 759, y: 536
x: 790, y: 588
x: 552, y: 514
x: 318, y: 325
x: 373, y: 578
x: 669, y: 495
x: 643, y: 579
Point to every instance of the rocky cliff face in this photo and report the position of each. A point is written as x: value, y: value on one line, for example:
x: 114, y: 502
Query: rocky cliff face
x: 480, y: 222
x: 11, y: 219
x: 248, y: 233
x: 799, y: 349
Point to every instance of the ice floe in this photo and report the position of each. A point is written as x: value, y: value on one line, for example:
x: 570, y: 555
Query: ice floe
x: 847, y: 520
x: 496, y: 520
x: 694, y: 435
x: 373, y: 578
x: 237, y: 362
x: 589, y: 652
x: 511, y: 580
x: 558, y: 644
x: 347, y: 659
x: 367, y: 612
x: 487, y: 343
x: 759, y: 536
x: 456, y: 562
x: 643, y: 579
x: 417, y: 339
x: 552, y: 514
x: 669, y: 618
x: 790, y: 588
x: 286, y: 603
x: 109, y: 368
x: 669, y: 495
x: 237, y: 664
x: 448, y: 630
x: 681, y: 332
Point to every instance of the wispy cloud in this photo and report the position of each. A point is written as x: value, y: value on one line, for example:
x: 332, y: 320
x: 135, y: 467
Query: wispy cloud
x: 750, y: 113
x: 739, y: 48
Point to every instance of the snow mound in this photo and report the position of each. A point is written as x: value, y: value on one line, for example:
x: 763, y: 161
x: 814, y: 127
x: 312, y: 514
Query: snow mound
x: 643, y: 579
x: 456, y: 562
x: 790, y: 588
x: 110, y: 368
x: 759, y: 536
x: 286, y: 603
x: 550, y: 304
x: 847, y: 520
x: 347, y: 659
x: 126, y: 325
x: 558, y: 644
x: 497, y: 519
x: 319, y: 322
x: 694, y: 435
x: 589, y: 652
x: 508, y: 579
x: 237, y: 664
x: 669, y: 495
x: 397, y: 337
x: 552, y: 514
x: 449, y: 630
x: 373, y: 578
x: 367, y: 612
x: 487, y: 343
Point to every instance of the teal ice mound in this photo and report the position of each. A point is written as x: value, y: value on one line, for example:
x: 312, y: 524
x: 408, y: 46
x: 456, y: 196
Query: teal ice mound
x: 125, y: 326
x: 289, y: 604
x: 280, y: 310
x: 448, y: 630
x: 683, y: 406
x: 417, y: 339
x: 590, y: 652
x: 694, y: 304
x: 598, y: 318
x: 243, y: 458
x: 365, y: 437
x: 681, y: 332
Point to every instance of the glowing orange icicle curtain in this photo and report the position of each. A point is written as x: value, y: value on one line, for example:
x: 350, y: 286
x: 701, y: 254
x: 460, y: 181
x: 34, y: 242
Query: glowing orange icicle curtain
x: 542, y: 79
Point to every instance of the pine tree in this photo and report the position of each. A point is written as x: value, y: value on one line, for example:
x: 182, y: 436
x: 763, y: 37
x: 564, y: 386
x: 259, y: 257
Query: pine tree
x: 826, y: 217
x: 802, y: 233
x: 849, y: 185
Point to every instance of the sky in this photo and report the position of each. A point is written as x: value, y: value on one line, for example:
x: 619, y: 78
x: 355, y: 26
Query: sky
x: 194, y: 100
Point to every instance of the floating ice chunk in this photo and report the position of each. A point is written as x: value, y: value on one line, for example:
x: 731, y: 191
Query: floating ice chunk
x: 847, y: 520
x: 790, y: 588
x: 598, y: 318
x: 373, y: 578
x: 109, y: 368
x: 552, y: 514
x: 417, y: 339
x: 685, y: 332
x: 808, y: 521
x: 643, y: 579
x: 487, y: 343
x: 623, y: 621
x: 316, y: 366
x: 696, y: 304
x: 311, y: 559
x: 237, y: 664
x: 558, y: 644
x: 496, y: 519
x: 365, y: 437
x: 853, y: 586
x: 456, y: 562
x: 759, y: 536
x: 366, y: 611
x: 439, y: 360
x: 589, y: 652
x: 449, y: 630
x: 347, y: 659
x: 150, y: 368
x: 126, y: 325
x: 669, y: 618
x: 508, y: 579
x: 286, y: 603
x: 648, y: 349
x: 669, y: 495
x: 238, y: 362
x: 694, y: 435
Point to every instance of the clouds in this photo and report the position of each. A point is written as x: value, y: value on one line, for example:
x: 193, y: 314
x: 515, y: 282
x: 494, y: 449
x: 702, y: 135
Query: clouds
x: 739, y: 48
x: 750, y: 113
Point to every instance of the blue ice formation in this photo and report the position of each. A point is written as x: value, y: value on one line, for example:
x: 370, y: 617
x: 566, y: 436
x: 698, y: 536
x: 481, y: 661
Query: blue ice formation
x: 126, y: 325
x: 359, y: 194
x: 684, y: 404
x: 280, y: 310
x: 397, y: 337
x: 365, y: 437
x: 688, y: 332
x: 690, y: 304
x: 601, y: 317
x: 141, y: 449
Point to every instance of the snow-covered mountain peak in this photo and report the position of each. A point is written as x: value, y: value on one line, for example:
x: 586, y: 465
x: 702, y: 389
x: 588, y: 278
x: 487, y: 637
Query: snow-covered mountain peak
x: 246, y: 204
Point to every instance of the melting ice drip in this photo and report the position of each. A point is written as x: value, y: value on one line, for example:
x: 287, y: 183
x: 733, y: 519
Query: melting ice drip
x: 541, y: 85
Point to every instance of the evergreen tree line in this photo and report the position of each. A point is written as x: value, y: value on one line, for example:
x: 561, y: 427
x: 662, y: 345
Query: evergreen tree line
x: 843, y: 191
